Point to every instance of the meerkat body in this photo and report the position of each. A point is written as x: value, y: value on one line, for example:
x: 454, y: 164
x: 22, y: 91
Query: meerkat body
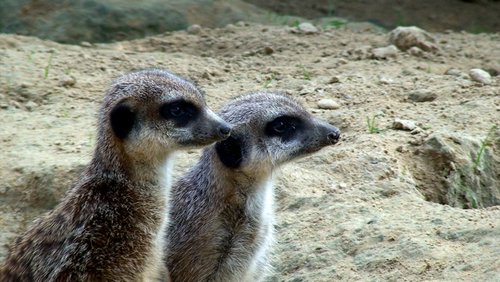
x: 222, y: 212
x: 112, y: 222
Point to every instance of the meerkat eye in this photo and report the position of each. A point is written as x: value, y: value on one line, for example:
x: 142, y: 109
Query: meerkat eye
x: 283, y: 126
x: 181, y: 112
x: 176, y: 111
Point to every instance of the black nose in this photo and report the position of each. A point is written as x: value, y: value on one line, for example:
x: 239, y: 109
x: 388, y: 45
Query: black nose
x: 333, y: 137
x: 224, y: 130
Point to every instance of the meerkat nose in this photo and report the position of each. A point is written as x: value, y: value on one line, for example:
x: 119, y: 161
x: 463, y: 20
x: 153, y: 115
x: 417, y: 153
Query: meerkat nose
x: 224, y: 130
x: 333, y: 137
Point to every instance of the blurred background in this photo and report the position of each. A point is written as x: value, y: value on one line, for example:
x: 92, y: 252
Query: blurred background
x: 68, y: 21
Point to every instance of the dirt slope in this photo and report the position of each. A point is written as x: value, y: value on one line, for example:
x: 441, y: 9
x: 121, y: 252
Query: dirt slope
x: 355, y: 211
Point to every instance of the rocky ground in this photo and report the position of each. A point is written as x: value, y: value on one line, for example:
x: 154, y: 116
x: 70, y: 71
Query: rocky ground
x: 413, y: 199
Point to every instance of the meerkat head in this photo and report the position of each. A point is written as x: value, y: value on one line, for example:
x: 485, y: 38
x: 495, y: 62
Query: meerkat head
x: 152, y: 112
x: 270, y: 129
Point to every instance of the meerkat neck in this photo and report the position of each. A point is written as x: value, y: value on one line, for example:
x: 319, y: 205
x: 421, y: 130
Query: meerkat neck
x: 227, y: 180
x: 113, y: 162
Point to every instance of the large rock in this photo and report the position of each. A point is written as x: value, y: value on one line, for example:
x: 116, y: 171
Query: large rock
x: 406, y: 37
x: 457, y: 176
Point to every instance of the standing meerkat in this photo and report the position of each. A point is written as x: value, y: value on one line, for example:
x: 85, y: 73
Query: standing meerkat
x: 222, y: 210
x: 112, y: 222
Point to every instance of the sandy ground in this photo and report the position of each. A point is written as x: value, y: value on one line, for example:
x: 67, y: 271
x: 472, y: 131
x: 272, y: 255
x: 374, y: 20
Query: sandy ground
x: 356, y: 211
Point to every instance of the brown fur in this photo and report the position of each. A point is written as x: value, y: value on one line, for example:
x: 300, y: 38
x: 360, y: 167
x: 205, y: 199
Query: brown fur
x: 222, y: 211
x: 108, y: 226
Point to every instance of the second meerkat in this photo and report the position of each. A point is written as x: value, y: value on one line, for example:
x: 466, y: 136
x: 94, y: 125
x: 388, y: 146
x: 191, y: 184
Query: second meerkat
x: 222, y: 211
x: 111, y: 224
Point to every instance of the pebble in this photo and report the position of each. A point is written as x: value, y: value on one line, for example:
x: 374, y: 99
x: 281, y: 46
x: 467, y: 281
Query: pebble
x: 328, y: 104
x: 67, y: 81
x: 267, y: 50
x: 415, y: 51
x: 453, y: 71
x: 422, y: 95
x: 386, y: 80
x: 308, y: 28
x: 480, y: 75
x: 334, y: 79
x: 406, y: 37
x: 404, y: 124
x: 30, y: 106
x: 85, y: 44
x: 390, y: 51
x: 194, y: 29
x: 16, y: 104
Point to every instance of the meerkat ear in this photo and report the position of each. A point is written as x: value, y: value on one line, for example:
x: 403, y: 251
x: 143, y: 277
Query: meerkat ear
x: 230, y: 151
x: 122, y: 120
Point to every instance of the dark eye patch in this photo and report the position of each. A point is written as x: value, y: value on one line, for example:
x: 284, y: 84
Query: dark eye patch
x: 122, y: 120
x: 284, y: 127
x: 180, y: 112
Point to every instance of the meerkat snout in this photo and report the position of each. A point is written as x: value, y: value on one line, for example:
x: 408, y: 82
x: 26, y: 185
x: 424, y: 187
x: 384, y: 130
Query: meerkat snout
x: 223, y: 208
x: 224, y: 130
x: 111, y: 224
x: 330, y: 133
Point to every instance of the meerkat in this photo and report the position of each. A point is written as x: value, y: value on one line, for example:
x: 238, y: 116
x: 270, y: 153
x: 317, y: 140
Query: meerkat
x: 112, y: 221
x: 222, y: 211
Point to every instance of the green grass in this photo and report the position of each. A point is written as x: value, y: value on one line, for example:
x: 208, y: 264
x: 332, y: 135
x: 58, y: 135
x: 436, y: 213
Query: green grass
x: 269, y: 81
x: 335, y: 24
x: 484, y: 144
x: 372, y: 125
x: 306, y: 74
x: 47, y: 67
x: 30, y: 57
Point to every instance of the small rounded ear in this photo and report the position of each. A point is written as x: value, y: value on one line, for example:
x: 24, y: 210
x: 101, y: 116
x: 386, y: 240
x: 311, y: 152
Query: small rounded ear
x: 230, y: 151
x: 122, y: 120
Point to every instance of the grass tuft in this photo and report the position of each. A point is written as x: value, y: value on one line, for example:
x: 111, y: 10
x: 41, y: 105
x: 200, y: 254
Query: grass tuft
x: 487, y: 141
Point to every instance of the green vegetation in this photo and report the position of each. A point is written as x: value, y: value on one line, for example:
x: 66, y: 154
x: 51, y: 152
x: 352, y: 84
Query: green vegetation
x: 307, y: 74
x: 48, y: 66
x: 269, y: 81
x: 484, y: 144
x: 335, y: 24
x: 372, y: 125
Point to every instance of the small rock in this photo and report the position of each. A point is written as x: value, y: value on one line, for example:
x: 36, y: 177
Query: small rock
x: 404, y: 124
x: 453, y: 71
x: 308, y: 28
x: 206, y: 75
x: 385, y: 80
x: 480, y: 75
x: 241, y: 24
x: 67, y: 81
x: 30, y: 106
x: 194, y: 29
x: 334, y: 79
x: 415, y: 51
x: 385, y: 52
x: 342, y: 185
x: 493, y: 69
x: 85, y: 44
x: 4, y: 106
x: 328, y: 104
x: 268, y: 50
x: 422, y: 95
x: 406, y: 37
x: 457, y: 73
x: 16, y: 104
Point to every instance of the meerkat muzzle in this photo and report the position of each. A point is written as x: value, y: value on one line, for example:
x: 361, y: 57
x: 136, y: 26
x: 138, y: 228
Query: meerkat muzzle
x: 224, y: 130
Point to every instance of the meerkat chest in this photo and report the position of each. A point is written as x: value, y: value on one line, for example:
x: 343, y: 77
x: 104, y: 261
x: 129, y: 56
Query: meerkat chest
x: 251, y: 234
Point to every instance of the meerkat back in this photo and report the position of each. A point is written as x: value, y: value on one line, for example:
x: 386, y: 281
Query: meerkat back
x: 111, y: 223
x: 222, y: 211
